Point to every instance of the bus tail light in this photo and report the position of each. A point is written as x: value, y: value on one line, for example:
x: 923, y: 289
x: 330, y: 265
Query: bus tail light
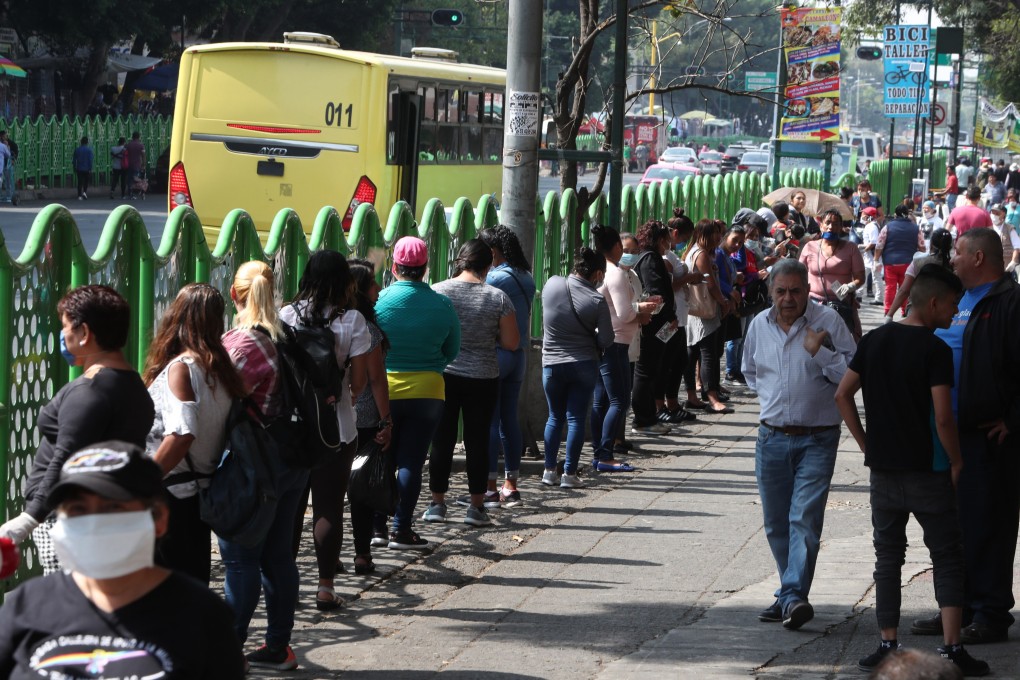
x: 180, y: 194
x: 364, y: 193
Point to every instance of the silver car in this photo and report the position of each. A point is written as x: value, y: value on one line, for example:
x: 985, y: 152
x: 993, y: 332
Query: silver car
x: 710, y: 163
x: 679, y: 154
x: 754, y: 161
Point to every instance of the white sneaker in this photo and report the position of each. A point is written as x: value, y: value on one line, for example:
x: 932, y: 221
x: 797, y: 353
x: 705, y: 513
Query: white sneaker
x: 654, y: 428
x: 550, y: 478
x: 571, y: 482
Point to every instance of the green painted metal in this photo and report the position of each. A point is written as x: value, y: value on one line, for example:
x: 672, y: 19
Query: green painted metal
x: 46, y: 145
x: 628, y: 210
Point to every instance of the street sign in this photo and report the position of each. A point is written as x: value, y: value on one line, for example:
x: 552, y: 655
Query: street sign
x: 905, y: 53
x: 938, y: 114
x: 756, y: 81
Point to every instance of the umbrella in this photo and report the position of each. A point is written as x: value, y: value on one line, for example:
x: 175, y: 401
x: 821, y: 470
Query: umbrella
x: 694, y: 115
x: 9, y: 68
x: 817, y: 202
x: 159, y: 79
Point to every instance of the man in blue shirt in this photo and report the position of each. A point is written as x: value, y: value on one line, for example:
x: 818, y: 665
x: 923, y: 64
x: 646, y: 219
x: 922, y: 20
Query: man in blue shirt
x: 986, y: 399
x: 82, y: 161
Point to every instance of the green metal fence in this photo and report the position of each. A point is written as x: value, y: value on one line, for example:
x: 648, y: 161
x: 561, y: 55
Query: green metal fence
x: 55, y: 260
x: 45, y: 145
x: 902, y: 169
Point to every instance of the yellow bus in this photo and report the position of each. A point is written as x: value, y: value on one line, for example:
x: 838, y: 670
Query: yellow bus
x: 303, y: 124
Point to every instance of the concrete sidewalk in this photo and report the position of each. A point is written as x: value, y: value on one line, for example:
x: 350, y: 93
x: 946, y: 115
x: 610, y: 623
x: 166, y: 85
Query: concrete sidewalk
x: 655, y: 574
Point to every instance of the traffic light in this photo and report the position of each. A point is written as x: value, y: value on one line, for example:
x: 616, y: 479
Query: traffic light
x: 447, y: 17
x: 869, y: 53
x: 694, y: 71
x: 954, y: 130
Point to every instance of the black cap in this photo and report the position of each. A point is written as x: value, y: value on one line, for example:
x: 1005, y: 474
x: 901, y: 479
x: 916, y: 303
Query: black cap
x: 113, y: 469
x: 998, y: 207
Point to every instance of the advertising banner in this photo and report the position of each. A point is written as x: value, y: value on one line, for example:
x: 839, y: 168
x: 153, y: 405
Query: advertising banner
x: 810, y: 109
x: 1014, y: 137
x: 905, y: 56
x: 995, y: 125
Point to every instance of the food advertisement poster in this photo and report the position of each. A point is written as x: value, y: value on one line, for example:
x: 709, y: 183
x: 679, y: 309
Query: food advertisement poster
x: 811, y: 104
x: 905, y: 58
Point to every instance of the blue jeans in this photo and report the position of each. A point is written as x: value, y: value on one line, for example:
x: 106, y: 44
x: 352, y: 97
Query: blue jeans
x: 612, y: 399
x: 506, y: 429
x: 951, y: 201
x: 414, y: 425
x: 734, y: 349
x: 568, y: 389
x: 793, y: 481
x: 268, y: 566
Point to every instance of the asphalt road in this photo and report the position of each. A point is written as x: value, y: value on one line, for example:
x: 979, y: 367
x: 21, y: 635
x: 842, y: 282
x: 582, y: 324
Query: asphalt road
x: 91, y: 215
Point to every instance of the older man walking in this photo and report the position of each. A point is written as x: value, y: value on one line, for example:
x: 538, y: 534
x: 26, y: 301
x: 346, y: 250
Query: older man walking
x: 983, y: 337
x: 795, y: 354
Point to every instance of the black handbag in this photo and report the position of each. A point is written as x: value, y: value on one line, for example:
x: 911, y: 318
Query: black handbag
x: 373, y: 479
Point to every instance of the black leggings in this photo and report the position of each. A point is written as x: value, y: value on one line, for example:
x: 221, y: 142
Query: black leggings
x: 674, y: 365
x: 361, y: 515
x: 185, y: 546
x: 709, y: 348
x: 476, y: 398
x: 328, y: 485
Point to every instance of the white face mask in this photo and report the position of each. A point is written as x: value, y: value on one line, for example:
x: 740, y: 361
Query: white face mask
x: 996, y: 220
x: 105, y: 545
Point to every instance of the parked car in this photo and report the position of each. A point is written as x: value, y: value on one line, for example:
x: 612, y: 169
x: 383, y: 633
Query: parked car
x: 731, y: 156
x: 679, y: 154
x: 753, y: 161
x: 664, y: 172
x: 710, y: 163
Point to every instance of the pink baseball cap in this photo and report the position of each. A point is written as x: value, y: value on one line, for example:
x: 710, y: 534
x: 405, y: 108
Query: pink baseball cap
x: 870, y: 211
x: 411, y: 251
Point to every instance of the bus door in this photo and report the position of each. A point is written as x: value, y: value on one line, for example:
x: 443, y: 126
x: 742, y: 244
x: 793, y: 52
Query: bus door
x: 408, y: 109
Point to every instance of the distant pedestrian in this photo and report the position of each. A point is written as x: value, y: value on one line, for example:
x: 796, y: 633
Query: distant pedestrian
x: 135, y: 155
x: 969, y: 215
x: 118, y: 168
x: 82, y: 160
x: 794, y: 356
x: 913, y: 450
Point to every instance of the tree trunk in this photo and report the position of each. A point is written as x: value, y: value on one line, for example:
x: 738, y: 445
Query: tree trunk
x: 95, y: 69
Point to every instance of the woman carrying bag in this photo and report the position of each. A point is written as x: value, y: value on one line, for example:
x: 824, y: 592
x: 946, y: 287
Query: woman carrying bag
x: 706, y: 307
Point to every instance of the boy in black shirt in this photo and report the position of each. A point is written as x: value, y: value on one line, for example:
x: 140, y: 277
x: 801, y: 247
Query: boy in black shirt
x: 907, y: 375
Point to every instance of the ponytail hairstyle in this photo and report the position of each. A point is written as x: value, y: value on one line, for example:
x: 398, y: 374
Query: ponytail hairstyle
x: 681, y: 224
x: 587, y: 262
x: 363, y: 272
x: 604, y: 237
x: 255, y: 294
x: 503, y: 239
x: 475, y: 257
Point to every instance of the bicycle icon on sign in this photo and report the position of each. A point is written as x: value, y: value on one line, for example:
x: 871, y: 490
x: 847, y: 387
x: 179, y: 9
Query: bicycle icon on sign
x: 903, y: 73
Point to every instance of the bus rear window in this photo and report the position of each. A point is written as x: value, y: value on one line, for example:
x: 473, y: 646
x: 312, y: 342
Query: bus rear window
x: 271, y: 87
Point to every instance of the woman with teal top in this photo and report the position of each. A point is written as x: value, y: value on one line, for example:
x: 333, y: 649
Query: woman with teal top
x: 424, y: 335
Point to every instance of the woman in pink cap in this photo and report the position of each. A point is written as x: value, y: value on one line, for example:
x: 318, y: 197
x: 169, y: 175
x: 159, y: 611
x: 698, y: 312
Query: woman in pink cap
x: 424, y: 335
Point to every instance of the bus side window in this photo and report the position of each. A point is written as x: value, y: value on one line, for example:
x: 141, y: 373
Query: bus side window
x: 448, y: 143
x: 471, y: 107
x: 427, y: 143
x: 429, y: 104
x: 471, y: 143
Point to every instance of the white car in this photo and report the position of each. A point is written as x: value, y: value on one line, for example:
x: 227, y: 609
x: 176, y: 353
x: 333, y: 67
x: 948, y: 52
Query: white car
x: 753, y: 161
x: 679, y: 154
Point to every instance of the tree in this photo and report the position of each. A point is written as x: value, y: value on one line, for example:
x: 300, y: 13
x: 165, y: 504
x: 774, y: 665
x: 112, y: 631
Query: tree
x: 722, y: 38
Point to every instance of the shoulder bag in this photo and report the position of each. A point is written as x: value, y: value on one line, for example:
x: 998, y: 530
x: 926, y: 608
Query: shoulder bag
x: 700, y: 302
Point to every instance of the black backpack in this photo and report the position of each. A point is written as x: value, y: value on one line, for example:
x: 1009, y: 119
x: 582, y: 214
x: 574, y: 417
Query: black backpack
x: 240, y: 502
x: 311, y: 383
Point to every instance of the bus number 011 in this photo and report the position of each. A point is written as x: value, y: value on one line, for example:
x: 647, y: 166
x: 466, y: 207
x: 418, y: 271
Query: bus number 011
x: 335, y: 114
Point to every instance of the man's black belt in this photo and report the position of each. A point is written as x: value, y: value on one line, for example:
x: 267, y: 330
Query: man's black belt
x: 799, y: 430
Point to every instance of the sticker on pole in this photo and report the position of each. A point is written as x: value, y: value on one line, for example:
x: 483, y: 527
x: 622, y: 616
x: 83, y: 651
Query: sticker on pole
x: 523, y: 109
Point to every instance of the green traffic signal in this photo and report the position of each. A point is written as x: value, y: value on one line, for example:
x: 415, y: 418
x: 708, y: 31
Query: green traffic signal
x: 869, y: 53
x: 447, y: 17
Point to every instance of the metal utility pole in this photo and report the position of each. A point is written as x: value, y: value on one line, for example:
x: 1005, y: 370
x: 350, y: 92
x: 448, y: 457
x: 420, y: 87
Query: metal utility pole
x: 616, y: 133
x: 522, y: 118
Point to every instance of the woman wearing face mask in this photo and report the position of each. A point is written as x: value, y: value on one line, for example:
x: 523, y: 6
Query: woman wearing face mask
x: 702, y: 332
x: 649, y: 372
x: 111, y: 608
x: 835, y: 270
x: 898, y: 242
x: 192, y: 382
x: 1012, y: 210
x: 667, y: 403
x: 108, y: 400
x: 487, y: 320
x: 577, y: 330
x: 930, y: 221
x: 628, y: 312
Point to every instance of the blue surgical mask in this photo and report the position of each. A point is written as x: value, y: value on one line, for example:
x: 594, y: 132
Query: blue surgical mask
x: 64, y: 352
x: 628, y: 259
x: 830, y: 236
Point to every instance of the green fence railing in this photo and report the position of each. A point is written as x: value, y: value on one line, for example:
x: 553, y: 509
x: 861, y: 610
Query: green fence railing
x: 54, y: 260
x: 902, y: 169
x: 45, y: 145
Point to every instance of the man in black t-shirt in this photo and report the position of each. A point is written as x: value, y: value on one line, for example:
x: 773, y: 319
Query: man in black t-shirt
x: 114, y: 614
x: 906, y: 374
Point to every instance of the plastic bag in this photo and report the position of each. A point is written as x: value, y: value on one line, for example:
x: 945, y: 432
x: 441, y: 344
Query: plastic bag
x: 373, y: 479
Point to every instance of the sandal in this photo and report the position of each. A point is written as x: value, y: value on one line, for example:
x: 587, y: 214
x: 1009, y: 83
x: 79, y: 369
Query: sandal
x: 363, y: 564
x: 334, y: 601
